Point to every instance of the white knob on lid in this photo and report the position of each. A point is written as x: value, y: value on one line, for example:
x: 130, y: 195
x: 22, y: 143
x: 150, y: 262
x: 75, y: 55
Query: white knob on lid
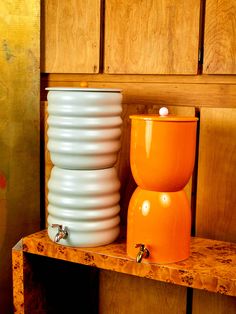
x: 163, y: 111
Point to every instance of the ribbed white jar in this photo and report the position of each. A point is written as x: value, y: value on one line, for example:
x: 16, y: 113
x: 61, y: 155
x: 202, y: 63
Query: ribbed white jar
x: 86, y: 202
x: 84, y: 127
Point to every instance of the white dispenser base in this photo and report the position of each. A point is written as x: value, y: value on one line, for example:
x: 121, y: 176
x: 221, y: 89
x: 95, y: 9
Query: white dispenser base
x: 86, y: 202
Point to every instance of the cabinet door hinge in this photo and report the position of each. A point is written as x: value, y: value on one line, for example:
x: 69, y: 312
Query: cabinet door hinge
x: 200, y: 55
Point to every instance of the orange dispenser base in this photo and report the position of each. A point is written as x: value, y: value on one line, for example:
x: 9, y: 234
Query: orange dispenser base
x: 162, y: 222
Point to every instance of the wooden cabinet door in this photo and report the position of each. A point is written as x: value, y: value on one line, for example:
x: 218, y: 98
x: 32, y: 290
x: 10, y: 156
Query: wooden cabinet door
x: 70, y: 36
x: 151, y: 36
x: 216, y: 198
x: 220, y: 37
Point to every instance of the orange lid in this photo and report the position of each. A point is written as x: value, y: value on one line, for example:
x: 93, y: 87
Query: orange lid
x: 159, y: 118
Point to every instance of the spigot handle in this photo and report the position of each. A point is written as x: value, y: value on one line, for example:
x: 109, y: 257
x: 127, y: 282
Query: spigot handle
x: 62, y: 232
x: 57, y: 226
x: 142, y: 253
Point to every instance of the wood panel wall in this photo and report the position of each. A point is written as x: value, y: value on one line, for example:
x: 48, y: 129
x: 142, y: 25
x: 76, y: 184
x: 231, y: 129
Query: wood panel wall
x: 216, y: 175
x: 198, y: 91
x: 216, y: 198
x: 19, y: 132
x: 220, y: 40
x: 70, y: 32
x: 120, y: 293
x: 167, y: 44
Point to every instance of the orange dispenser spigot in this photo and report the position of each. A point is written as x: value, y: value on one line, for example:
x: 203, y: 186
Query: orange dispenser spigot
x: 162, y: 155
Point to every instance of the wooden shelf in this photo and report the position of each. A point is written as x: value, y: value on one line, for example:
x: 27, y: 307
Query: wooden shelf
x: 211, y: 265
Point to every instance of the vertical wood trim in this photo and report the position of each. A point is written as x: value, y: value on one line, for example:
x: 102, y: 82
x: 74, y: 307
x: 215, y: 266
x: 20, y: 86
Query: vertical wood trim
x: 46, y: 161
x: 201, y: 36
x: 216, y: 199
x: 210, y: 303
x: 18, y: 284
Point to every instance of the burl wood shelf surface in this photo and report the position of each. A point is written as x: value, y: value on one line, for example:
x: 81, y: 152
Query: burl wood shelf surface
x: 211, y: 265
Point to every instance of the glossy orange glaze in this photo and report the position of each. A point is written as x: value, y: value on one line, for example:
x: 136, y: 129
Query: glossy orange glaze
x: 162, y: 151
x: 162, y: 157
x: 161, y: 221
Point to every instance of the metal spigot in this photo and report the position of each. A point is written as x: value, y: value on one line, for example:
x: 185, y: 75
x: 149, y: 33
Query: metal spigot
x: 142, y: 253
x: 62, y: 232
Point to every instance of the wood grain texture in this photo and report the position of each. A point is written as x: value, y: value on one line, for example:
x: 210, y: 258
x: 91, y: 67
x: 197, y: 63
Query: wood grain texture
x: 70, y: 36
x: 216, y: 199
x: 211, y: 265
x: 37, y: 292
x: 209, y: 303
x: 151, y: 37
x: 132, y: 78
x: 28, y: 295
x: 220, y: 37
x: 121, y: 293
x: 17, y: 276
x: 19, y: 132
x: 137, y: 90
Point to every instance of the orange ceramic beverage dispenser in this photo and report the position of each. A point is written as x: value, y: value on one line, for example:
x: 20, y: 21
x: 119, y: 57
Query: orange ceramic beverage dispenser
x: 162, y: 155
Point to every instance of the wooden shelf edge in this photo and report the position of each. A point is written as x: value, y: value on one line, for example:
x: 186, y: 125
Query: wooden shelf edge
x: 211, y: 265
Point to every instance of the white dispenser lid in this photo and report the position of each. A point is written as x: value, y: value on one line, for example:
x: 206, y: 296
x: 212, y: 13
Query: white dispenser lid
x: 84, y: 89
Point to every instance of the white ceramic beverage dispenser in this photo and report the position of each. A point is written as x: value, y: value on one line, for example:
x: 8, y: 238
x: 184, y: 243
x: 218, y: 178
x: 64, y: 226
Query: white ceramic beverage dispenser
x: 84, y: 128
